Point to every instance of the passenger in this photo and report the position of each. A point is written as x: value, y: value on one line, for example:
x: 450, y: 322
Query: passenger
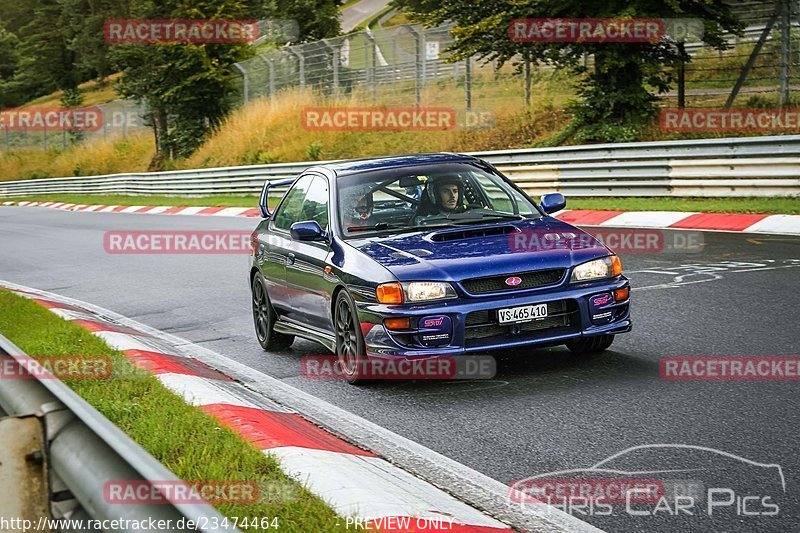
x: 359, y: 216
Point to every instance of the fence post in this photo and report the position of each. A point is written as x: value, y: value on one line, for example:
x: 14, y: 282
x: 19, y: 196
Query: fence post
x: 423, y: 57
x: 302, y: 64
x: 681, y: 76
x: 468, y: 82
x: 527, y: 72
x: 786, y: 29
x: 246, y: 83
x: 373, y: 80
x: 124, y: 120
x: 271, y: 66
x: 417, y: 64
x: 336, y: 60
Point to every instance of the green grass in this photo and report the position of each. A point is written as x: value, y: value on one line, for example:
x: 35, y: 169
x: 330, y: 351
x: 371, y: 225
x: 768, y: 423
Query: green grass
x: 207, y: 201
x: 787, y: 206
x: 186, y: 440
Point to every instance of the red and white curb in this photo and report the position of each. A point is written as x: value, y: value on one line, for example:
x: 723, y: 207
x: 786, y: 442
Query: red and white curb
x: 733, y: 222
x: 352, y: 480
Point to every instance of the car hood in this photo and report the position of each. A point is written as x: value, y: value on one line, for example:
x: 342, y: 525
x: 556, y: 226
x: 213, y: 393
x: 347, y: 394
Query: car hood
x: 480, y: 250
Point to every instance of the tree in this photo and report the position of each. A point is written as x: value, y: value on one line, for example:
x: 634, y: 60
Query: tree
x: 316, y: 19
x: 9, y: 59
x: 187, y: 86
x: 616, y: 101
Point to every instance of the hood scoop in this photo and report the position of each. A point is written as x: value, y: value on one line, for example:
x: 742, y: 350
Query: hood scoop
x: 472, y: 233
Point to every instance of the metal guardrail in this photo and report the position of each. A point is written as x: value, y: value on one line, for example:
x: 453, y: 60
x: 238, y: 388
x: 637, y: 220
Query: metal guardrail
x: 746, y: 166
x: 84, y: 451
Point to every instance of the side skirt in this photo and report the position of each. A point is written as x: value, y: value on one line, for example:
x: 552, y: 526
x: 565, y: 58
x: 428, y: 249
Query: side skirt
x: 293, y: 328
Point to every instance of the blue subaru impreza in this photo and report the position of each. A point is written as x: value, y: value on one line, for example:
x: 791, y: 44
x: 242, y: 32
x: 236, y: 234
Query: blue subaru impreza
x: 430, y: 254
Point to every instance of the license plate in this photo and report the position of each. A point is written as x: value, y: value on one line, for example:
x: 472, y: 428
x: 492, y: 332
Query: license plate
x: 525, y: 313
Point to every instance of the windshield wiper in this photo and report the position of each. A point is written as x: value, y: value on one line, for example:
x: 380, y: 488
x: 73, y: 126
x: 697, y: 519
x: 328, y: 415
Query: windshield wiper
x: 354, y: 231
x: 503, y: 215
x: 500, y: 216
x: 379, y: 226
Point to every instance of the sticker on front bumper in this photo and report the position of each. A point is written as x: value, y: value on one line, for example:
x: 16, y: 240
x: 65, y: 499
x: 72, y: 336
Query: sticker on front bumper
x: 435, y: 330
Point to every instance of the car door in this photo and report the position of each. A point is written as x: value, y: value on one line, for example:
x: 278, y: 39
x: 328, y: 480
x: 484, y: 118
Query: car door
x: 278, y: 242
x: 308, y: 284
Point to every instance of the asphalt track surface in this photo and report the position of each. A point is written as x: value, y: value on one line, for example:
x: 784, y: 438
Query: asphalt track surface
x: 546, y: 410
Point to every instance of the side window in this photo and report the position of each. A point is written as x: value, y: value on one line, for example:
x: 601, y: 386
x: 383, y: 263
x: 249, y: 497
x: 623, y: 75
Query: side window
x: 315, y: 206
x: 290, y: 210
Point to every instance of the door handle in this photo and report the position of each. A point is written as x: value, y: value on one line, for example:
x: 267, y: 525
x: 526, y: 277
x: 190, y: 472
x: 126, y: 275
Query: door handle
x: 290, y: 259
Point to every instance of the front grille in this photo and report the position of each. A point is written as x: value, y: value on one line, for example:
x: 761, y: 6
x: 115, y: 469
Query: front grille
x: 483, y: 324
x: 495, y: 330
x: 530, y: 280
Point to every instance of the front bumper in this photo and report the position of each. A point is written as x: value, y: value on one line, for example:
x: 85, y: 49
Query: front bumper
x: 475, y: 328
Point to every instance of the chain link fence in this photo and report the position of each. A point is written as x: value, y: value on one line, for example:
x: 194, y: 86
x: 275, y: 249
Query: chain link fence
x: 120, y: 119
x: 406, y: 65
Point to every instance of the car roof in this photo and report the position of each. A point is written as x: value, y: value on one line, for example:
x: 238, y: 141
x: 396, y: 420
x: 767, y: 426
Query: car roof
x: 383, y: 163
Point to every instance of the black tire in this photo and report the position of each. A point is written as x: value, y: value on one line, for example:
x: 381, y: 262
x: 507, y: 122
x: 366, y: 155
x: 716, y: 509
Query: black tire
x: 590, y: 345
x: 264, y: 318
x: 350, y: 347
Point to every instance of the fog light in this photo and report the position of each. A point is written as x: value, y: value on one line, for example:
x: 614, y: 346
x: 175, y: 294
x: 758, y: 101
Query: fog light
x: 621, y: 294
x: 397, y: 323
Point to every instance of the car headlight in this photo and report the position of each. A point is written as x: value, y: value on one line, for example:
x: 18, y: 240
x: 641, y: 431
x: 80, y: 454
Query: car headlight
x: 414, y: 291
x: 423, y: 291
x: 605, y: 267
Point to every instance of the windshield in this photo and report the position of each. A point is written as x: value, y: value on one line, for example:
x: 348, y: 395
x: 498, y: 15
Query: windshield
x: 426, y: 196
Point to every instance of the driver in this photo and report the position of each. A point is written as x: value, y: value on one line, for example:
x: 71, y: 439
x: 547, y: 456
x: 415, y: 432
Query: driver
x: 446, y: 195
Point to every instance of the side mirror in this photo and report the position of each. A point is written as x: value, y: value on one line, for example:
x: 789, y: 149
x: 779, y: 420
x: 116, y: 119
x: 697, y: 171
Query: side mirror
x: 308, y: 230
x: 553, y: 202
